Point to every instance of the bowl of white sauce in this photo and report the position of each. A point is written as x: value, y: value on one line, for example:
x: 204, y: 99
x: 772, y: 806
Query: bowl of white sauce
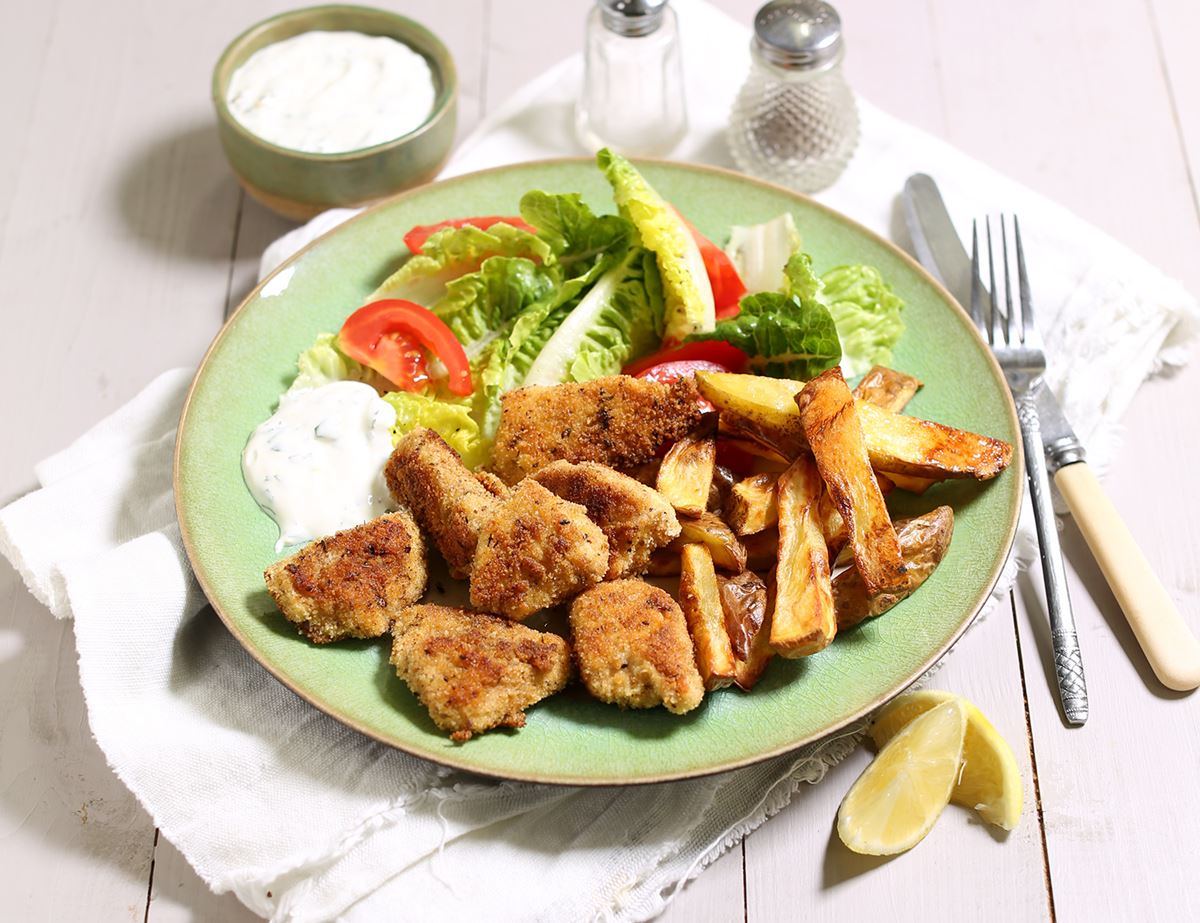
x: 334, y: 106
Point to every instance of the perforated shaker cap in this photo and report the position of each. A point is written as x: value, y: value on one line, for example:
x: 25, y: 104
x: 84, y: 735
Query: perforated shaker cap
x: 632, y: 18
x: 799, y: 34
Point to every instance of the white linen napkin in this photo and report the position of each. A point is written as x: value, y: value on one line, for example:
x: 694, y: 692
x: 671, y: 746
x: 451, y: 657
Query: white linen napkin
x: 306, y: 820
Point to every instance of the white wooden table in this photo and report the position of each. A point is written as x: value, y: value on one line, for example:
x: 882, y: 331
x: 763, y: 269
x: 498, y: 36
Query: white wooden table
x: 123, y: 238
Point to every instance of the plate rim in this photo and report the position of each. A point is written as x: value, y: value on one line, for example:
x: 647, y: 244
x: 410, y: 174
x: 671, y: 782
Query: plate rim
x: 449, y: 758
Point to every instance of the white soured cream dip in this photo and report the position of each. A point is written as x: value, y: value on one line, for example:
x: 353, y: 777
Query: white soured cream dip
x: 331, y: 92
x: 316, y: 466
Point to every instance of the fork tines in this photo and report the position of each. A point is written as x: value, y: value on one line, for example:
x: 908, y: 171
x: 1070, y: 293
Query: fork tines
x: 1001, y: 325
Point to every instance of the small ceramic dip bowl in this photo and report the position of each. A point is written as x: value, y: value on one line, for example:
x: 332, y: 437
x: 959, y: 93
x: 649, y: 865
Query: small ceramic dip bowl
x: 299, y: 184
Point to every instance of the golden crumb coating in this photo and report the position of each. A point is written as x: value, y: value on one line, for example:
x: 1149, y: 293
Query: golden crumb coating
x: 635, y: 518
x: 537, y: 551
x: 451, y: 502
x: 633, y: 649
x: 617, y: 421
x: 351, y: 584
x: 474, y: 671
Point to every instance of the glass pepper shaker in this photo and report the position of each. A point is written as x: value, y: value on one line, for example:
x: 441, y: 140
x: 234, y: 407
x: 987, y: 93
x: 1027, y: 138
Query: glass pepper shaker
x: 632, y: 99
x: 795, y: 121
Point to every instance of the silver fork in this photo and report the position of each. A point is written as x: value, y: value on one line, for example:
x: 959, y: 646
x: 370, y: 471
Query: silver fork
x: 1018, y: 348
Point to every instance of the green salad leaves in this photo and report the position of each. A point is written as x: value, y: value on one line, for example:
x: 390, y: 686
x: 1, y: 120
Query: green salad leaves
x: 867, y: 314
x: 788, y: 334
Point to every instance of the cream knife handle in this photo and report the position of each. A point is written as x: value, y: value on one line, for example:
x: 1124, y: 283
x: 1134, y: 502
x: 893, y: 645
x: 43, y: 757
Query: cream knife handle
x: 1169, y: 645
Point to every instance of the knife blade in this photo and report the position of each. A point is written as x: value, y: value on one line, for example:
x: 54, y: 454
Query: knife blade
x: 939, y: 249
x: 934, y: 239
x: 1167, y: 640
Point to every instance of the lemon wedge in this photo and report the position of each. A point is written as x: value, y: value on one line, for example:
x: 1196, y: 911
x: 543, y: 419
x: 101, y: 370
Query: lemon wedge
x: 898, y: 797
x: 990, y: 781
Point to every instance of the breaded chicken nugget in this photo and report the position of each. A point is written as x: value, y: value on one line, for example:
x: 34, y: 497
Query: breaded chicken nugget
x: 537, y: 551
x: 618, y: 421
x: 635, y: 518
x: 352, y: 584
x: 633, y: 649
x: 451, y: 502
x: 474, y: 671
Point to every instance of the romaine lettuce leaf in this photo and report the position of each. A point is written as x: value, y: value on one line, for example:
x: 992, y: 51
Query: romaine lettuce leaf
x: 572, y: 230
x: 619, y: 318
x: 454, y: 252
x: 479, y: 305
x: 784, y: 336
x: 760, y: 251
x: 450, y: 417
x: 867, y: 314
x: 687, y: 294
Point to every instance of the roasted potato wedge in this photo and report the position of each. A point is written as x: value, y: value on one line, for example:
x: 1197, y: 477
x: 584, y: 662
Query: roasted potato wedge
x: 834, y: 527
x: 892, y: 391
x: 727, y: 552
x: 686, y: 475
x: 924, y: 449
x: 802, y: 619
x: 744, y: 603
x: 923, y: 543
x: 831, y: 424
x: 757, y: 409
x: 700, y: 600
x: 751, y: 506
x: 887, y: 388
x: 747, y: 619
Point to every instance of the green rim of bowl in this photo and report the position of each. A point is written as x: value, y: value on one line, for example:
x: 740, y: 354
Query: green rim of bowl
x: 999, y: 514
x: 443, y: 66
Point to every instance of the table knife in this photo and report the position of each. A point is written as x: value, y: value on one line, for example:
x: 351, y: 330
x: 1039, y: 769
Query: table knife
x: 1169, y: 644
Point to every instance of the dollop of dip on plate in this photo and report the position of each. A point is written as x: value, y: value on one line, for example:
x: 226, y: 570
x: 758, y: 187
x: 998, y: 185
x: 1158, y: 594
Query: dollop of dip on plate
x: 332, y: 92
x: 316, y: 466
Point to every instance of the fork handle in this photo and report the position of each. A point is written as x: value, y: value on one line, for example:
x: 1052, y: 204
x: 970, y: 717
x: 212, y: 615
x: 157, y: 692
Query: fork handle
x: 1068, y: 662
x: 1169, y: 645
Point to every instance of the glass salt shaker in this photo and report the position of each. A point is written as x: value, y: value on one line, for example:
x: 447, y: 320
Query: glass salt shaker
x: 632, y: 99
x: 795, y: 121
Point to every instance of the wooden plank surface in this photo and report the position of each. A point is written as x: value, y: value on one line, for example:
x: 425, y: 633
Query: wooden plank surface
x: 142, y: 228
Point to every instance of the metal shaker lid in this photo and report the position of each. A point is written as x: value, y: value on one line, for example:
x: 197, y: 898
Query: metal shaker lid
x: 632, y: 18
x: 799, y: 34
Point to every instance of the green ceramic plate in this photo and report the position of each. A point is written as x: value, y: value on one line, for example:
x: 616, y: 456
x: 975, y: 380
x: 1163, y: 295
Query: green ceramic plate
x: 571, y: 738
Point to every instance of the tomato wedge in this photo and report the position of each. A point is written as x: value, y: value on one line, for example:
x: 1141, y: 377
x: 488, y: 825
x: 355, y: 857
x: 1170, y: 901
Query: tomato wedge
x: 415, y: 239
x: 682, y: 368
x: 727, y: 286
x: 726, y: 355
x: 388, y: 336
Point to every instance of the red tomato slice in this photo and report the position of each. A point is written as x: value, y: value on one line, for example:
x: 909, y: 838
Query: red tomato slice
x: 682, y: 368
x: 384, y: 336
x: 727, y: 286
x: 726, y: 355
x: 415, y: 239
